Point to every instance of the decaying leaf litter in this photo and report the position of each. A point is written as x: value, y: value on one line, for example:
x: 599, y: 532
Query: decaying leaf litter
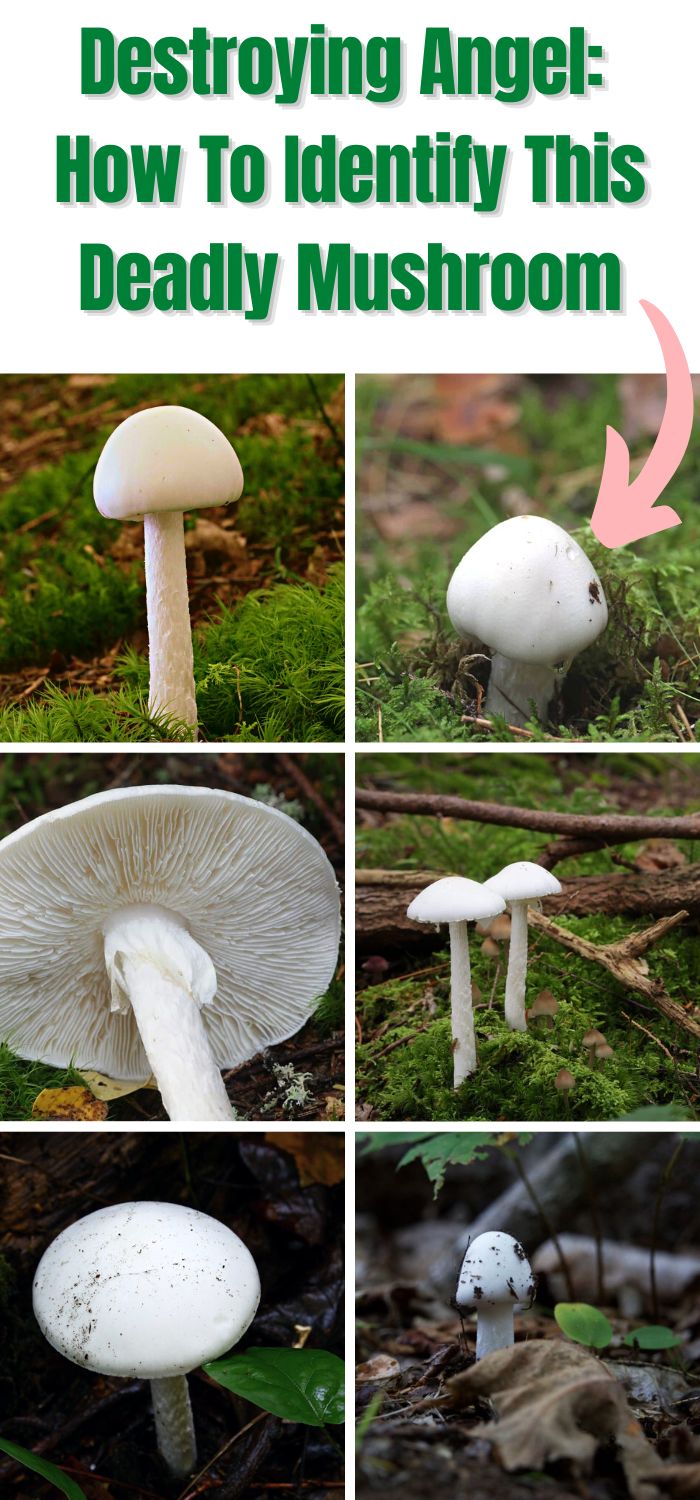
x: 283, y: 1197
x: 442, y: 460
x: 300, y: 1079
x: 73, y: 612
x: 615, y: 956
x: 548, y: 1414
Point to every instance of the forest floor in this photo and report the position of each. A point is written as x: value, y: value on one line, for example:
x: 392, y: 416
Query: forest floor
x: 423, y: 1426
x: 266, y: 595
x: 285, y: 1201
x: 441, y: 460
x: 404, y: 1057
x: 302, y: 1078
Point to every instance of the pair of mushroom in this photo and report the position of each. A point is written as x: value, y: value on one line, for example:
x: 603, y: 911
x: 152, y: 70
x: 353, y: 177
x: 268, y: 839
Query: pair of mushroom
x: 458, y: 901
x: 165, y: 930
x: 157, y: 464
x: 528, y: 591
x: 148, y: 1290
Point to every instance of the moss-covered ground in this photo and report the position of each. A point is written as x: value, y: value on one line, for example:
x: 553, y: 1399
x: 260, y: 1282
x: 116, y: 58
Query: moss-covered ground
x: 266, y: 589
x: 404, y: 1064
x: 436, y: 469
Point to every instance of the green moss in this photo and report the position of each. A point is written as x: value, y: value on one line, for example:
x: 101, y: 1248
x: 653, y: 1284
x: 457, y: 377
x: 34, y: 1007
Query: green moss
x: 21, y: 1081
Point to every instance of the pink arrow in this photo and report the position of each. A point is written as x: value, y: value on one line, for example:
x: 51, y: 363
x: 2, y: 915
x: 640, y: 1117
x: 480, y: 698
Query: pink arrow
x: 626, y: 512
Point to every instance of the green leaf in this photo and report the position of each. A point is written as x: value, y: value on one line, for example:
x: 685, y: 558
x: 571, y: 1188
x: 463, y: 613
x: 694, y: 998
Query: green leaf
x: 584, y: 1324
x: 653, y: 1337
x: 301, y: 1385
x: 660, y: 1112
x: 42, y: 1466
x: 437, y: 1153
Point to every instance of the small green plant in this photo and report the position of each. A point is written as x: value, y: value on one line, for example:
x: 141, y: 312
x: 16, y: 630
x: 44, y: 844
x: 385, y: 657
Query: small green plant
x: 41, y: 1466
x: 299, y: 1385
x: 584, y: 1324
x: 653, y: 1337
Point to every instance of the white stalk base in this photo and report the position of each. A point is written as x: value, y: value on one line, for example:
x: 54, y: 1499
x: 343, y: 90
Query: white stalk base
x: 517, y: 967
x: 174, y: 1425
x: 170, y: 657
x: 514, y: 686
x: 463, y: 1036
x: 156, y: 968
x: 494, y: 1329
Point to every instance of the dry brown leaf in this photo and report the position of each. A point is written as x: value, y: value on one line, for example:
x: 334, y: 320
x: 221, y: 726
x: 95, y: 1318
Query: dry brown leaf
x: 659, y: 854
x: 555, y: 1401
x: 680, y: 1481
x: 114, y: 1088
x: 379, y: 1367
x: 319, y: 1158
x: 72, y: 1103
x: 215, y: 540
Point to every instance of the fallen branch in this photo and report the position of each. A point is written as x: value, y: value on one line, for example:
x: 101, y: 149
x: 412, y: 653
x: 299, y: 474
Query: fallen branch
x: 608, y: 828
x: 623, y: 961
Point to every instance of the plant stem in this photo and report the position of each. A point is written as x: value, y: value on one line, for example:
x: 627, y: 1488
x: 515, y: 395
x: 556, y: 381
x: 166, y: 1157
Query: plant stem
x: 549, y: 1227
x: 661, y: 1190
x: 174, y: 1425
x: 595, y: 1217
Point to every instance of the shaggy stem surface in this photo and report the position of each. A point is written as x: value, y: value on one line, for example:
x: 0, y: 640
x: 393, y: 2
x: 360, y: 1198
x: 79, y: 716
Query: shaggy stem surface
x: 517, y: 967
x: 174, y: 1425
x: 156, y: 968
x: 463, y: 1037
x: 514, y: 686
x: 171, y: 664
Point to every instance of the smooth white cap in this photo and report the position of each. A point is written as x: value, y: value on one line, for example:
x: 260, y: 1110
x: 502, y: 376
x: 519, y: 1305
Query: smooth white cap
x: 495, y: 1269
x: 253, y: 888
x: 455, y: 899
x: 524, y: 881
x: 166, y: 458
x: 527, y: 590
x: 147, y: 1289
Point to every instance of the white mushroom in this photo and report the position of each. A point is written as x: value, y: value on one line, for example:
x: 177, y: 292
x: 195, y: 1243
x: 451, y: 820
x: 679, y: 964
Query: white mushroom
x: 155, y: 465
x: 519, y: 884
x: 457, y: 901
x: 527, y: 590
x: 495, y: 1278
x: 167, y: 930
x: 149, y: 1290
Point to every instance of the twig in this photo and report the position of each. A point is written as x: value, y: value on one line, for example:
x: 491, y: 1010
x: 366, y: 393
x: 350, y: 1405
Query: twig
x: 400, y: 1041
x: 622, y: 961
x: 609, y: 828
x: 189, y: 1489
x: 664, y: 1180
x: 650, y: 1034
x: 330, y: 424
x: 308, y: 790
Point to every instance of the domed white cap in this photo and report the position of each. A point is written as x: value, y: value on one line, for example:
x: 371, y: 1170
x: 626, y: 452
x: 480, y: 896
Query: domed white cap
x: 527, y: 590
x: 145, y: 1289
x: 495, y: 1269
x: 166, y: 458
x: 524, y: 881
x: 255, y: 890
x: 455, y: 899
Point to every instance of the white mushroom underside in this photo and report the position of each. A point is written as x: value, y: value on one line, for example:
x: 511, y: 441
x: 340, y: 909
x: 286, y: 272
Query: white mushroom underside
x: 255, y: 890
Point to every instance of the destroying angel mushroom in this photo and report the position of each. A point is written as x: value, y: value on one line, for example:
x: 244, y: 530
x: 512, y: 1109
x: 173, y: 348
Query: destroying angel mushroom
x: 458, y: 901
x: 167, y: 930
x: 520, y: 884
x: 148, y: 1290
x: 495, y: 1278
x: 527, y: 590
x: 157, y: 464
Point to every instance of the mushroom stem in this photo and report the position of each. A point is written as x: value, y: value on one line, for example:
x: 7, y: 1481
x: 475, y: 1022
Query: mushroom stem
x: 517, y: 967
x: 171, y: 661
x: 463, y: 1037
x: 174, y: 1425
x: 156, y: 967
x: 494, y: 1329
x: 515, y: 685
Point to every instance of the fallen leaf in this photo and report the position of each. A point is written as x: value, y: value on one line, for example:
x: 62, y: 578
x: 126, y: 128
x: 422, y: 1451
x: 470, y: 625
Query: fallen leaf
x: 552, y: 1402
x: 680, y: 1481
x: 114, y: 1088
x: 379, y: 1367
x: 68, y: 1104
x: 318, y: 1158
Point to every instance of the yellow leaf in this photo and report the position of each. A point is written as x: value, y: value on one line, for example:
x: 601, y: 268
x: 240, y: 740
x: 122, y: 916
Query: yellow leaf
x: 319, y: 1158
x: 68, y: 1104
x: 114, y: 1088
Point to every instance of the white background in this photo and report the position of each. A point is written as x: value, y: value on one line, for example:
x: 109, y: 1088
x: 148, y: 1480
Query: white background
x: 648, y: 100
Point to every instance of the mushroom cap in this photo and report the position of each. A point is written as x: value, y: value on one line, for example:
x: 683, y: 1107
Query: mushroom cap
x: 523, y: 881
x: 147, y: 1289
x: 454, y: 899
x: 163, y: 459
x: 254, y: 889
x: 495, y: 1269
x: 527, y: 590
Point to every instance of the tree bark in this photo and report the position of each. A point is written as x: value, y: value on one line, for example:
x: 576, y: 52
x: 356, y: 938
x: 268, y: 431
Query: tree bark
x: 380, y: 905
